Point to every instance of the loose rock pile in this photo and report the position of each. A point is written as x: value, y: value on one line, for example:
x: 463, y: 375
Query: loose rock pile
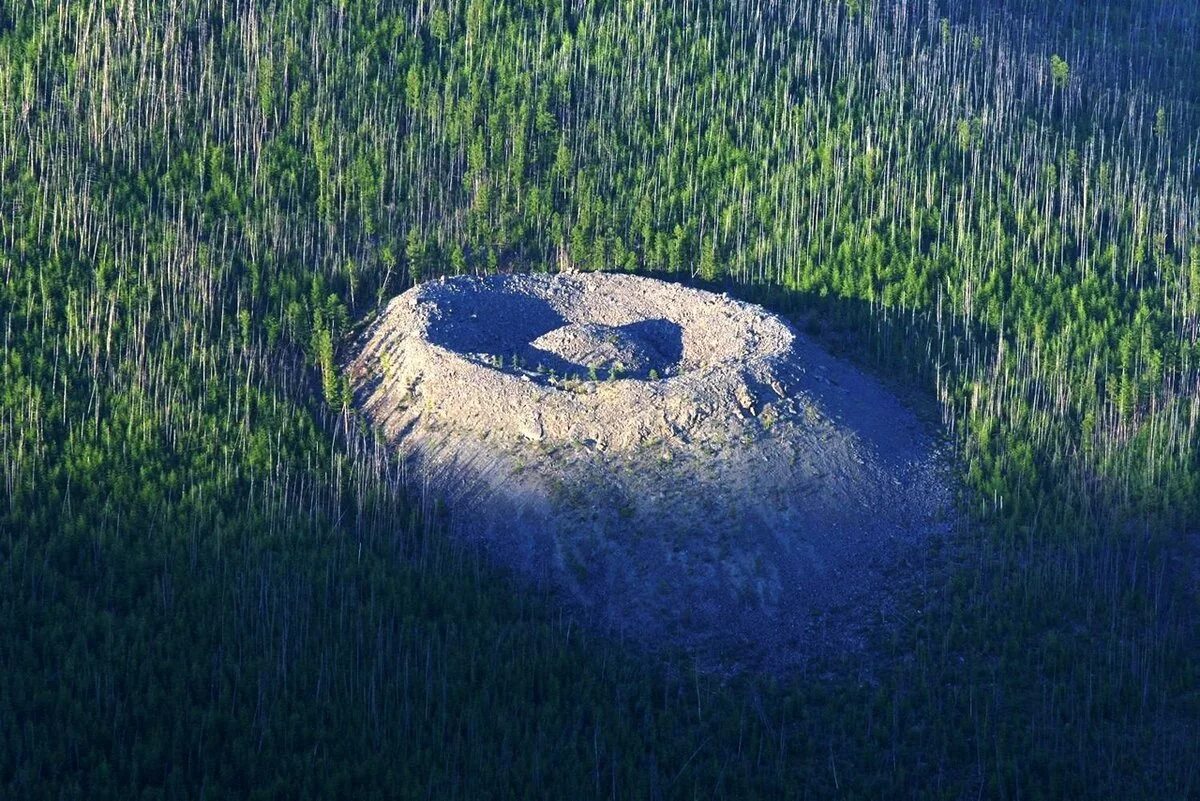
x: 682, y: 466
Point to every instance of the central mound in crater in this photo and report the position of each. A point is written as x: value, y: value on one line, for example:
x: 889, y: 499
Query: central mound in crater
x: 680, y: 466
x: 633, y: 350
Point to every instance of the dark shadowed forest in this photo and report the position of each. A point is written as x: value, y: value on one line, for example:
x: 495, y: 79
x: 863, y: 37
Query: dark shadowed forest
x: 215, y: 579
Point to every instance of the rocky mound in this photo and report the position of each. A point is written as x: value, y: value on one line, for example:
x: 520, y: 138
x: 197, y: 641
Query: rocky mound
x: 591, y: 347
x: 683, y: 466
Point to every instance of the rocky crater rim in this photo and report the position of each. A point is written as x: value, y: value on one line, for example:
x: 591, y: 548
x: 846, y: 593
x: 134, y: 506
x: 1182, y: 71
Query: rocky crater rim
x: 614, y: 359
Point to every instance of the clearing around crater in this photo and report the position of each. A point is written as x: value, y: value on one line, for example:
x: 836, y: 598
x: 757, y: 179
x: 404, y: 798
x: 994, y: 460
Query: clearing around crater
x: 682, y: 467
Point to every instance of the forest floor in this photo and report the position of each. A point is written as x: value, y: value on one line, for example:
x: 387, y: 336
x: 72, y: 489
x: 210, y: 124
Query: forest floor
x: 730, y: 489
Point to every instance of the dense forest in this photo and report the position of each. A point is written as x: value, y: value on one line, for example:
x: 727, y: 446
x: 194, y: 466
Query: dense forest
x: 216, y: 582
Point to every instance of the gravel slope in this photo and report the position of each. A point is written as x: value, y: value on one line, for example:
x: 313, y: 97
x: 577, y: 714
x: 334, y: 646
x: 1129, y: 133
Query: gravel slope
x: 684, y: 468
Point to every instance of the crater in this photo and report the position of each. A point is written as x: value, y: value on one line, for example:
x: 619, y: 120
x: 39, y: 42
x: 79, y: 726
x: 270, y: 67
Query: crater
x: 681, y: 467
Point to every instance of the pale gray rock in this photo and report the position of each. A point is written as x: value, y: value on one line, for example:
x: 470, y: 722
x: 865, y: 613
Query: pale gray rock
x: 721, y: 485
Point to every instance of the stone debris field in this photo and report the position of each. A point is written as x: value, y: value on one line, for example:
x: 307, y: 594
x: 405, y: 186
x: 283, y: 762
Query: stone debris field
x: 681, y: 468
